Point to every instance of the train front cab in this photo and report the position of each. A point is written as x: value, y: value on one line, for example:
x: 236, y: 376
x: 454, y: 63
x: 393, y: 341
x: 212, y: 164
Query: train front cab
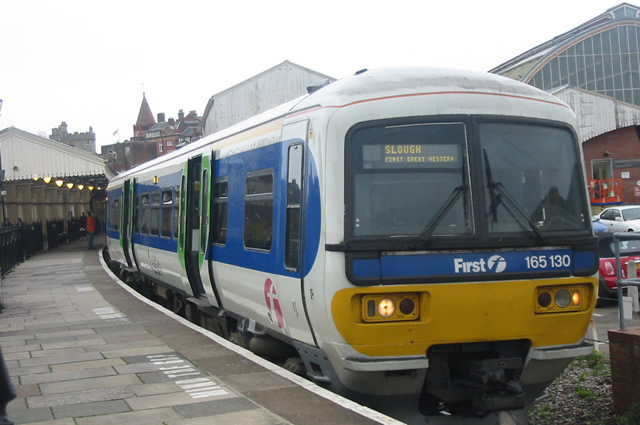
x: 491, y: 300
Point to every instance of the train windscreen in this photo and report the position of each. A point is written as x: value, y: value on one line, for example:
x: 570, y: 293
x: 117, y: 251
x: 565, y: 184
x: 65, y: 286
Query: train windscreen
x: 405, y: 176
x: 429, y: 180
x: 532, y: 179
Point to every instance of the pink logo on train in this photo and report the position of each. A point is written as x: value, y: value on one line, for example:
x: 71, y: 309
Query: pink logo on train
x: 271, y: 297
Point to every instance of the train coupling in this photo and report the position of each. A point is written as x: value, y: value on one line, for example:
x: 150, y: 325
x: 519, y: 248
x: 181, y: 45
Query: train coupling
x: 494, y: 384
x: 475, y: 378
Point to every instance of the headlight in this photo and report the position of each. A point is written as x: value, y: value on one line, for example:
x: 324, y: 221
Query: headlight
x: 563, y: 298
x: 390, y: 307
x: 386, y: 307
x: 560, y: 299
x: 544, y: 299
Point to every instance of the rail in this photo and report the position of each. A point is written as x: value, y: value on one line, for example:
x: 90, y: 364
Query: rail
x: 633, y: 282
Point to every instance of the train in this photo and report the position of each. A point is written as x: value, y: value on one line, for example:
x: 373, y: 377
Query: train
x: 414, y: 234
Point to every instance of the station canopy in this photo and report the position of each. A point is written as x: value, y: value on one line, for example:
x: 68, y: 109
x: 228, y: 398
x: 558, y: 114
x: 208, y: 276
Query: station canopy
x: 26, y: 156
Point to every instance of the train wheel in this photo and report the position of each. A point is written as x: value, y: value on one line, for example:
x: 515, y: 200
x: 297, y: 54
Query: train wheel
x: 295, y: 365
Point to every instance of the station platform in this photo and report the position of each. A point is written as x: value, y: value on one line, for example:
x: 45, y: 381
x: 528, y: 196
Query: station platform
x: 83, y: 349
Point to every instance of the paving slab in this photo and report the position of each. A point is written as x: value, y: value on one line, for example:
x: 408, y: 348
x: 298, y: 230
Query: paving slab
x: 253, y: 417
x: 155, y: 389
x: 41, y: 378
x: 99, y: 408
x: 40, y: 415
x: 55, y: 360
x: 86, y: 365
x: 84, y: 343
x: 77, y: 397
x: 164, y: 416
x: 89, y: 384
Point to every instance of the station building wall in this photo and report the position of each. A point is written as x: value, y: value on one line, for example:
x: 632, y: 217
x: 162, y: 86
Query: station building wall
x: 621, y: 148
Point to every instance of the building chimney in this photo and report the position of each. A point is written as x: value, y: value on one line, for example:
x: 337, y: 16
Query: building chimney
x: 160, y: 117
x: 172, y: 122
x: 180, y: 115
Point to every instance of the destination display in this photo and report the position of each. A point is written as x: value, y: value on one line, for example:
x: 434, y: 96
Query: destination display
x: 411, y: 156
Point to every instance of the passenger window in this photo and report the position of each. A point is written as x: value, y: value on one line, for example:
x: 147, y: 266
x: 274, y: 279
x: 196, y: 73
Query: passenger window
x: 167, y: 204
x: 183, y: 189
x: 138, y: 214
x: 220, y: 211
x: 194, y: 203
x: 155, y: 212
x: 115, y: 215
x: 176, y: 210
x: 144, y: 215
x: 205, y: 209
x: 258, y: 210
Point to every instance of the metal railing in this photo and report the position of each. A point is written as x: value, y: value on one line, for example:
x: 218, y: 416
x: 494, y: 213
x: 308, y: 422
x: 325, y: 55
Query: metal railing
x: 17, y: 244
x: 632, y: 280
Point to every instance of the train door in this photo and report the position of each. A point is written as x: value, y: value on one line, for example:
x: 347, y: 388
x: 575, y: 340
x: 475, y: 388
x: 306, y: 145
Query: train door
x: 206, y: 195
x: 293, y: 248
x: 126, y: 218
x: 190, y: 224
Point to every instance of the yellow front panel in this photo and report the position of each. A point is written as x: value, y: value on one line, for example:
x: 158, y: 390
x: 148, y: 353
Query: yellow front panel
x: 463, y: 312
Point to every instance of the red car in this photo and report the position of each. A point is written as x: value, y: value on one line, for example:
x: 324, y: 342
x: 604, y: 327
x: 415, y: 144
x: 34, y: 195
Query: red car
x: 629, y: 250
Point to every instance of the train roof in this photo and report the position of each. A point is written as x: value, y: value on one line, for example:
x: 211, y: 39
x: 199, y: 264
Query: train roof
x: 369, y: 85
x: 396, y: 82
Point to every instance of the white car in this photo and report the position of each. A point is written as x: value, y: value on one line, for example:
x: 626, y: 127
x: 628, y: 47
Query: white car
x: 625, y: 218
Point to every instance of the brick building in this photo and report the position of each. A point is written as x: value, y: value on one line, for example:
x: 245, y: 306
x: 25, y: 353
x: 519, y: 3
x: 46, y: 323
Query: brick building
x: 152, y: 138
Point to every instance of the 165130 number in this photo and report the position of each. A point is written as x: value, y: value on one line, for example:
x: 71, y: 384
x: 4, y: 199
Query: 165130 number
x: 548, y: 261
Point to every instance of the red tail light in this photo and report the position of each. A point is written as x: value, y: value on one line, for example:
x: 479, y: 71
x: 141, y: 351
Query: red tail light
x: 609, y: 269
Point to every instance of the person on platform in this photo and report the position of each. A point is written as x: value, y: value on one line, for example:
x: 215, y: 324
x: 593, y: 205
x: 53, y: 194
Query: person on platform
x: 91, y: 228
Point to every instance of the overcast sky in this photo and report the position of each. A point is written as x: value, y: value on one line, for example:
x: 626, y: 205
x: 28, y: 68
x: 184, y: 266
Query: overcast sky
x: 88, y: 62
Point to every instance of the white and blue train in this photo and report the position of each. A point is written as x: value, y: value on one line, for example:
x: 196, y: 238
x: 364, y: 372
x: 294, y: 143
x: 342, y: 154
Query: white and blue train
x: 420, y: 234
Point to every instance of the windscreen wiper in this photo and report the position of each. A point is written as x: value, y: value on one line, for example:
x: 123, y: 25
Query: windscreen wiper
x: 442, y: 212
x: 496, y: 199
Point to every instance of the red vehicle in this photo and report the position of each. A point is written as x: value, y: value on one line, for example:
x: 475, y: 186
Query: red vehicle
x: 629, y: 250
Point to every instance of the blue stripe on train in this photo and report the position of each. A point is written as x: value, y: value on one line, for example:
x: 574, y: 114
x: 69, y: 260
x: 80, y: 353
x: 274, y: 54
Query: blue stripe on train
x: 473, y: 263
x: 236, y: 168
